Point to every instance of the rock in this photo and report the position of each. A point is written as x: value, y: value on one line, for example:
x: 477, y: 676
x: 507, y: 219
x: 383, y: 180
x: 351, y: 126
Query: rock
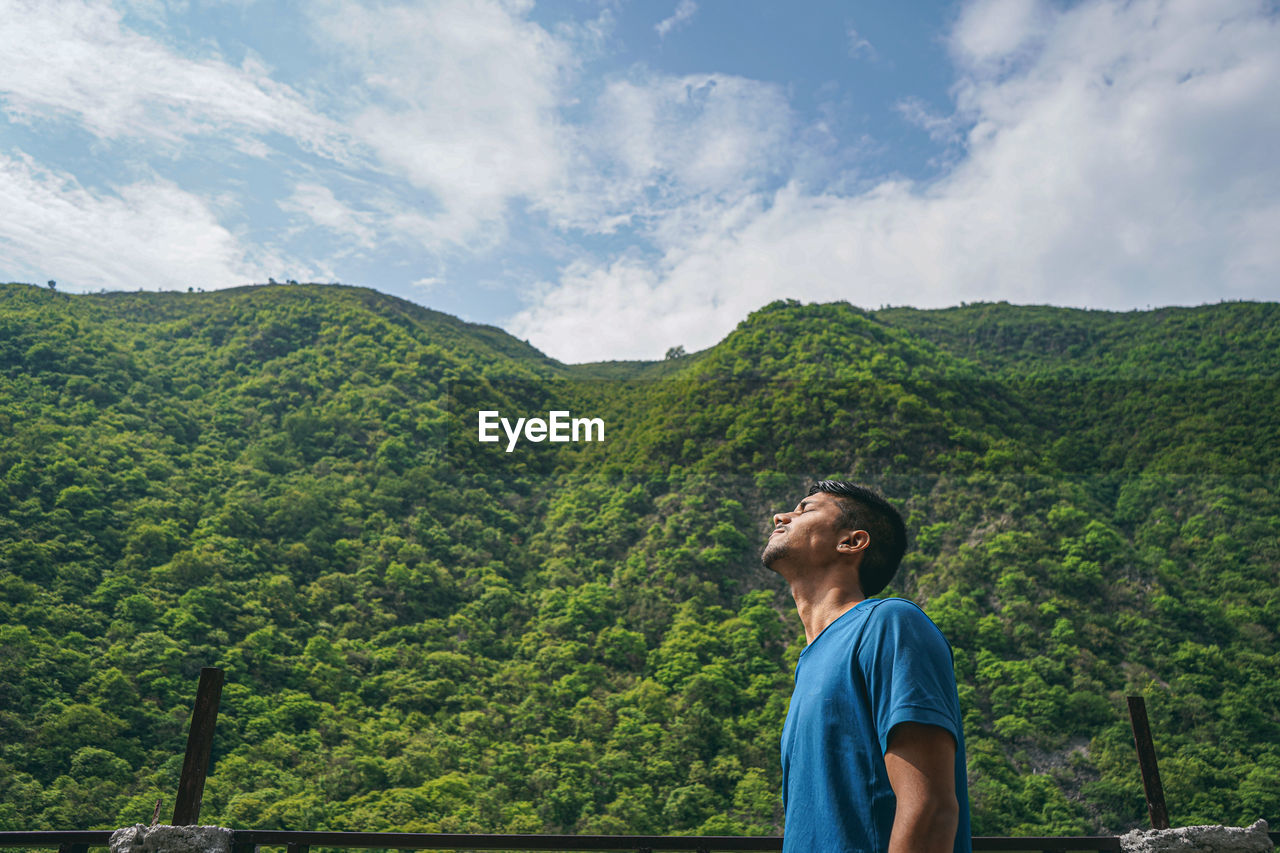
x: 1199, y: 839
x: 171, y: 839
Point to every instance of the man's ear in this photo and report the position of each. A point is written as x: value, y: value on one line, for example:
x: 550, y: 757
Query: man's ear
x: 853, y: 542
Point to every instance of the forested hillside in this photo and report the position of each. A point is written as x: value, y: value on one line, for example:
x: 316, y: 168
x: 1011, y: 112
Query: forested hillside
x: 421, y: 631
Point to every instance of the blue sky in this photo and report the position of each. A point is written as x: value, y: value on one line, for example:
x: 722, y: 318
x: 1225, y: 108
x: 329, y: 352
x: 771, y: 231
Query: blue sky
x: 610, y: 179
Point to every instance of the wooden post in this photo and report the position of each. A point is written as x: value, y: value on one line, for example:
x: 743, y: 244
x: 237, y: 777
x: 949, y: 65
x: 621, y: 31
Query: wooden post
x: 186, y: 809
x: 1147, y: 763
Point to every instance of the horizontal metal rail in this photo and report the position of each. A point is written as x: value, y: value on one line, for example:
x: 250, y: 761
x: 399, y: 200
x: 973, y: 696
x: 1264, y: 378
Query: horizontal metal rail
x: 244, y: 840
x: 1046, y: 843
x: 66, y: 841
x: 248, y: 840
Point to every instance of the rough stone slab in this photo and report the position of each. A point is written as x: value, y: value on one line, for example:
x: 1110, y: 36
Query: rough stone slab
x: 171, y: 839
x: 1199, y: 839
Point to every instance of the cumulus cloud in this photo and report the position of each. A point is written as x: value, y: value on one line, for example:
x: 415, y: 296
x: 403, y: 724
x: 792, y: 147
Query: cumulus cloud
x: 75, y: 60
x: 1109, y: 151
x: 452, y: 119
x: 704, y: 132
x: 149, y: 235
x: 657, y: 146
x: 991, y: 34
x: 461, y: 97
x: 460, y: 104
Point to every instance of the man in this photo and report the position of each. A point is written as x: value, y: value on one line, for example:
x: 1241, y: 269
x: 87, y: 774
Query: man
x: 872, y: 748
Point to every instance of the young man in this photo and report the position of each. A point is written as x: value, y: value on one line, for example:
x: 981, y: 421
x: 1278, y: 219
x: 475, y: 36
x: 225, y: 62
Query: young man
x: 872, y: 748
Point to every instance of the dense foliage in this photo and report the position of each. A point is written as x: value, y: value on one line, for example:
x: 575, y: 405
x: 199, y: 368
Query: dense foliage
x: 423, y: 632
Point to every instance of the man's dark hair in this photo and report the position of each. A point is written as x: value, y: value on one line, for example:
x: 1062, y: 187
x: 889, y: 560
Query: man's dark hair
x: 865, y: 510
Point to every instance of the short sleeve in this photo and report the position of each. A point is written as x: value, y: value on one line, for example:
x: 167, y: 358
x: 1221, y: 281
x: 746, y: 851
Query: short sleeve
x: 907, y: 667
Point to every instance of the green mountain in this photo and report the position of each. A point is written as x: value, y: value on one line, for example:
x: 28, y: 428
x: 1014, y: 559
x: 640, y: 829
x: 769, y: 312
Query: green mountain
x: 423, y: 631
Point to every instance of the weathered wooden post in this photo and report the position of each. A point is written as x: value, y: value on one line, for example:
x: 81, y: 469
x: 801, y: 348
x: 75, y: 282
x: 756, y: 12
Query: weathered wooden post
x: 186, y: 809
x: 1151, y: 785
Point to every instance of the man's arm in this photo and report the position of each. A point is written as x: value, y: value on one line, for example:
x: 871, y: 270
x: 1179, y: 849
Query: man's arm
x: 921, y: 764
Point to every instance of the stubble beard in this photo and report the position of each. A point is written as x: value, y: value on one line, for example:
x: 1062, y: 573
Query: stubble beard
x: 773, y: 550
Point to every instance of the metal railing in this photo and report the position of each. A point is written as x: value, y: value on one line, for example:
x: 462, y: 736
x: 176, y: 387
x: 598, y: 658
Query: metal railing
x: 200, y: 737
x: 67, y: 841
x: 248, y: 840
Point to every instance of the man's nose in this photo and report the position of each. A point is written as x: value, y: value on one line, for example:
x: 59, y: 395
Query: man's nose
x: 780, y: 518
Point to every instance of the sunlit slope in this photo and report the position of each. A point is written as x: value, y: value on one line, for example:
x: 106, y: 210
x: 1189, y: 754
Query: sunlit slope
x: 1227, y: 340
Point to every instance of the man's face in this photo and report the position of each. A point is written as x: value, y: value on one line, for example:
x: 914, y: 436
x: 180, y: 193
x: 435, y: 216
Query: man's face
x: 809, y: 534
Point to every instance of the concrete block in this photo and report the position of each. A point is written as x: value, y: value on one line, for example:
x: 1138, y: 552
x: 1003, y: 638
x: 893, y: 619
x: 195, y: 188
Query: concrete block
x: 171, y: 839
x: 1199, y: 839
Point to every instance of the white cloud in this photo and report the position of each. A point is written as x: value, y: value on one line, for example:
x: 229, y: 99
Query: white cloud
x: 458, y: 106
x: 684, y: 12
x: 990, y: 34
x: 461, y: 97
x: 318, y: 203
x: 148, y: 235
x: 75, y: 59
x: 656, y: 143
x: 705, y: 132
x: 1114, y: 151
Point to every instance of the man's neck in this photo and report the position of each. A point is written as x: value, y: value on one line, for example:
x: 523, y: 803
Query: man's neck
x: 821, y: 604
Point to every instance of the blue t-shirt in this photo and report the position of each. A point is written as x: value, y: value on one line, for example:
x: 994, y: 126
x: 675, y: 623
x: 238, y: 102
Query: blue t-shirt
x: 881, y: 663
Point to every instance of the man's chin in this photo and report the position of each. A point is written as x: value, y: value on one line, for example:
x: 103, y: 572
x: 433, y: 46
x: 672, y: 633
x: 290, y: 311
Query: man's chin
x: 771, y: 554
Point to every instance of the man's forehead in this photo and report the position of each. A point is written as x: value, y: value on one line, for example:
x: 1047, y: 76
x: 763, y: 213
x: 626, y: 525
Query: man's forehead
x: 816, y: 499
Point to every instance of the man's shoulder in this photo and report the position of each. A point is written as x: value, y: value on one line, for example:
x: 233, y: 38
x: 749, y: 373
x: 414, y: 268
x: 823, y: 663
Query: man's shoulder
x: 896, y: 608
x: 901, y: 616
